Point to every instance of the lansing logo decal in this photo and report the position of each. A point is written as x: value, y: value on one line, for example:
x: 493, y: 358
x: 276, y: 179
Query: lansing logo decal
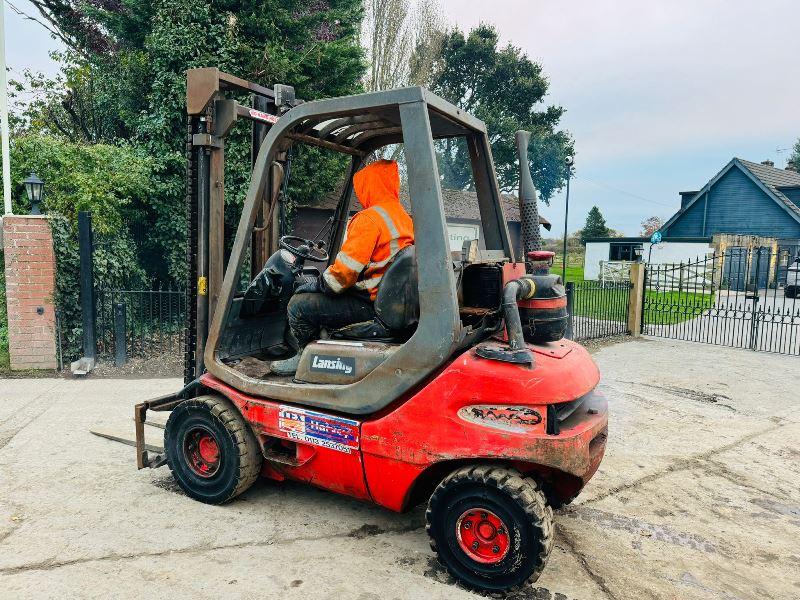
x: 330, y: 364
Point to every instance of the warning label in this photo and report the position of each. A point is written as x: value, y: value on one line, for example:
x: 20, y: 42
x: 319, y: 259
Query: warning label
x: 319, y: 429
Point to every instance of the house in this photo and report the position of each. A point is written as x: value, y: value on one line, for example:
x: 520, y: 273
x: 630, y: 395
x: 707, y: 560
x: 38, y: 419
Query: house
x: 744, y: 198
x: 745, y: 205
x: 460, y: 208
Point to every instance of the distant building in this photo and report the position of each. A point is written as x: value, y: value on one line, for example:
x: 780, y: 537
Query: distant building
x: 460, y: 208
x: 745, y: 205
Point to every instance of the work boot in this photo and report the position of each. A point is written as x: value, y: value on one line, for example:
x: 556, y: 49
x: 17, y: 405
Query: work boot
x: 287, y: 366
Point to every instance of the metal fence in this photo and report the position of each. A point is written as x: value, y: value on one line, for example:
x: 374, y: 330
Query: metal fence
x: 598, y: 309
x: 734, y: 298
x: 140, y: 323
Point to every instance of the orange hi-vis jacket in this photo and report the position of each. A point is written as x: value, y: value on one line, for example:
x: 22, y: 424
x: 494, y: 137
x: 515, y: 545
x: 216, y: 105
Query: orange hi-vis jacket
x: 375, y: 234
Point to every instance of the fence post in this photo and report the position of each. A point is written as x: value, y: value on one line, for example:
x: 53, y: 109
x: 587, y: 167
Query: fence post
x: 570, y: 334
x: 120, y: 347
x: 88, y: 313
x: 636, y: 299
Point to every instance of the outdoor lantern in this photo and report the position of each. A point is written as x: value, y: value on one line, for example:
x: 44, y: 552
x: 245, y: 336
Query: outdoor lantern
x: 33, y: 188
x: 638, y: 251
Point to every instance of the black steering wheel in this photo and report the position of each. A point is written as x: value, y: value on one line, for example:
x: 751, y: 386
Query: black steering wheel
x: 305, y: 249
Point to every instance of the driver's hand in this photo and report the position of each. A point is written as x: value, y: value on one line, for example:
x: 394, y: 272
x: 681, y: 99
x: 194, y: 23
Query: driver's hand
x: 309, y: 285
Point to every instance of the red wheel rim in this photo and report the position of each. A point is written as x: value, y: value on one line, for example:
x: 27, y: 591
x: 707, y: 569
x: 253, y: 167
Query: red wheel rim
x: 483, y: 536
x: 201, y: 451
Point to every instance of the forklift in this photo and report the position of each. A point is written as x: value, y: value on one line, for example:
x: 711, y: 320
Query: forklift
x: 462, y: 393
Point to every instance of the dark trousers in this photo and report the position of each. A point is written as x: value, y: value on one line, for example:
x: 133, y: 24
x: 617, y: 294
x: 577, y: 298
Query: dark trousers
x: 308, y: 313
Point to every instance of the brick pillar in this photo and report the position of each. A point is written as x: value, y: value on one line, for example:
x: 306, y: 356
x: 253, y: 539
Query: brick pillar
x: 30, y: 265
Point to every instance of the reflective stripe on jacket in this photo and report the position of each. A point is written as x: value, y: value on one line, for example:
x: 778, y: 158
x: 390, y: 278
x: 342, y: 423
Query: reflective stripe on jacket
x: 375, y: 234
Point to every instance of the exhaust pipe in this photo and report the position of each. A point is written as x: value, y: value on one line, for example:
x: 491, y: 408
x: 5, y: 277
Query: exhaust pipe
x: 528, y: 202
x: 517, y: 351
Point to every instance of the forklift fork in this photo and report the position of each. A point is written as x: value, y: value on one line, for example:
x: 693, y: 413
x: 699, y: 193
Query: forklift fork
x: 162, y: 403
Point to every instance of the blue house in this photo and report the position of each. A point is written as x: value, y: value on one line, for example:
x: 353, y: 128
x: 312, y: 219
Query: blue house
x: 744, y: 198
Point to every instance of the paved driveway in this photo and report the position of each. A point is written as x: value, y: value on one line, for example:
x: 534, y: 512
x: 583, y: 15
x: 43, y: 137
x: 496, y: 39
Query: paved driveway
x: 697, y: 498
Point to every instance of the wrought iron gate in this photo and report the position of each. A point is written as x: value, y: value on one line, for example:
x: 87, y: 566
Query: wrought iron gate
x: 735, y: 298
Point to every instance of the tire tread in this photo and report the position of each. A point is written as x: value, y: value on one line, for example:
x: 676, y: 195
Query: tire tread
x: 526, y: 493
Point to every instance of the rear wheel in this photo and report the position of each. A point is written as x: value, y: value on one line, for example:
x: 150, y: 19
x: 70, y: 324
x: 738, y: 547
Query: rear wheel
x: 490, y: 527
x: 210, y: 449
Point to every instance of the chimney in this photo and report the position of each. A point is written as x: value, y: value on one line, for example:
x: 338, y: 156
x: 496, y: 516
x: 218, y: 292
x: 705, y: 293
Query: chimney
x: 768, y: 163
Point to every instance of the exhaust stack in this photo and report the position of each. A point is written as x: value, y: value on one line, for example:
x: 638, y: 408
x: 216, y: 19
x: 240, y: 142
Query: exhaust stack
x: 528, y: 202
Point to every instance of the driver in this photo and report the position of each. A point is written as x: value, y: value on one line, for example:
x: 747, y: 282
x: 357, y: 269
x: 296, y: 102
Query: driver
x: 344, y: 294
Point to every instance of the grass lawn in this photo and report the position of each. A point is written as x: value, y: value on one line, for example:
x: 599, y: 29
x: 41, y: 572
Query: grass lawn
x: 661, y: 308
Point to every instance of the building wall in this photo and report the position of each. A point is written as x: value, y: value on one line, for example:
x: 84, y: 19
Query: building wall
x: 593, y: 254
x: 676, y: 252
x: 735, y: 205
x: 793, y: 194
x: 664, y: 253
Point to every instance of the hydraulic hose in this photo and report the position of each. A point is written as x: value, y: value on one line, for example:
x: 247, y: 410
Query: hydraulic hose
x: 518, y: 289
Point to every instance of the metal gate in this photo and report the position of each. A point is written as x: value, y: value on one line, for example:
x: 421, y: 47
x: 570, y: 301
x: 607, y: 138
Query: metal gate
x: 735, y: 298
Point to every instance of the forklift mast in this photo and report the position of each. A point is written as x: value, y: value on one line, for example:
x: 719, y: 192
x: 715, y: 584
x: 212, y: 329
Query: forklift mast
x: 211, y: 114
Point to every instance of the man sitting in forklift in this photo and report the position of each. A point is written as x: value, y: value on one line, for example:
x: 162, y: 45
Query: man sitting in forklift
x: 345, y: 292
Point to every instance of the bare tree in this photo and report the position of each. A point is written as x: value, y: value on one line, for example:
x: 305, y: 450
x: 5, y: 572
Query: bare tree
x: 650, y: 225
x: 402, y: 40
x: 430, y: 30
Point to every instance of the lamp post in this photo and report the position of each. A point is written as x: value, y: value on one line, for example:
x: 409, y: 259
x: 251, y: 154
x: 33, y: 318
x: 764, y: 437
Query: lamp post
x: 34, y: 188
x: 569, y: 161
x: 4, y: 145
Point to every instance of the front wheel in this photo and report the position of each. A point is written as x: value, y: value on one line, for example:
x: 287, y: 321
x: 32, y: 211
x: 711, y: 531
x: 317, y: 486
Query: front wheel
x: 490, y: 527
x: 210, y: 449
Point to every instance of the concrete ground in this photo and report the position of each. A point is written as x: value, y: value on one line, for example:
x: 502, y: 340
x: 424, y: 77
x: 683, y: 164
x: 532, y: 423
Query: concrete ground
x: 697, y: 497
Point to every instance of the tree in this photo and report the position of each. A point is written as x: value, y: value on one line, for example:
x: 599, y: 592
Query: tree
x: 401, y: 41
x: 132, y: 57
x: 650, y: 225
x: 595, y: 225
x: 794, y: 159
x: 505, y: 89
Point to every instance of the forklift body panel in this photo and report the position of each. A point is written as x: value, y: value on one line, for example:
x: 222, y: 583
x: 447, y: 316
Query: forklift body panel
x: 455, y: 417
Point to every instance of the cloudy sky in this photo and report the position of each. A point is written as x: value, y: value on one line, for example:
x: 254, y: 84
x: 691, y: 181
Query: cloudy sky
x: 659, y: 94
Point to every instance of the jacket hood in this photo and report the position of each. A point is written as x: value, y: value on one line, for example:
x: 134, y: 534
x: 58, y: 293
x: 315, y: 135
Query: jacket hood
x: 377, y: 182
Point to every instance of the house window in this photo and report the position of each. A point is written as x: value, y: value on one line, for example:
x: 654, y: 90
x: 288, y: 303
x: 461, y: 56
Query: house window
x: 619, y: 251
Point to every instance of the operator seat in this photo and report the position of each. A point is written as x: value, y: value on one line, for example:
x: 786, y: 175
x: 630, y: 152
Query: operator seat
x: 396, y: 304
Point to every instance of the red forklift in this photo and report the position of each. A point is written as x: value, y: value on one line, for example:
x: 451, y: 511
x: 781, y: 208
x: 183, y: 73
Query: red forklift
x: 462, y: 393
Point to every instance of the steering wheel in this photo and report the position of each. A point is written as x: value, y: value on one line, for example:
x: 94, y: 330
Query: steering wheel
x: 302, y: 248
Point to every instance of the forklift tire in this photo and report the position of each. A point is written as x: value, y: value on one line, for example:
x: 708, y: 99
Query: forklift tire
x: 210, y: 449
x: 490, y: 527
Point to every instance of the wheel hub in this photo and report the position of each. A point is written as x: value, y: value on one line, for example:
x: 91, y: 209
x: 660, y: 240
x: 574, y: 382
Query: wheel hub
x: 482, y: 536
x: 202, y: 452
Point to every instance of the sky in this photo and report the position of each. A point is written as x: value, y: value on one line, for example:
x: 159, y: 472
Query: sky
x: 659, y: 95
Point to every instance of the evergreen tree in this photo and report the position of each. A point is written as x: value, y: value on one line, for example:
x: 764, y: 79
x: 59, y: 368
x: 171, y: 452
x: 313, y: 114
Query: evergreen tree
x: 124, y: 82
x: 794, y: 159
x: 595, y: 226
x: 505, y: 89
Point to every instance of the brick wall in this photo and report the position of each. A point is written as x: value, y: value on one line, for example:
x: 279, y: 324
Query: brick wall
x: 30, y: 289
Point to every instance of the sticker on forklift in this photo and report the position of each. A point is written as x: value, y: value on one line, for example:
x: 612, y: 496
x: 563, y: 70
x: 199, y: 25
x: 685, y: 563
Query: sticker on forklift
x: 319, y: 429
x: 333, y: 364
x: 262, y: 116
x: 510, y: 418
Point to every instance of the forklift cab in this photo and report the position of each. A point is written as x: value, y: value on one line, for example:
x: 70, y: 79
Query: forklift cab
x: 355, y: 373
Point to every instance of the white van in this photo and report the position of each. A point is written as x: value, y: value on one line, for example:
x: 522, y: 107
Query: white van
x: 793, y: 279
